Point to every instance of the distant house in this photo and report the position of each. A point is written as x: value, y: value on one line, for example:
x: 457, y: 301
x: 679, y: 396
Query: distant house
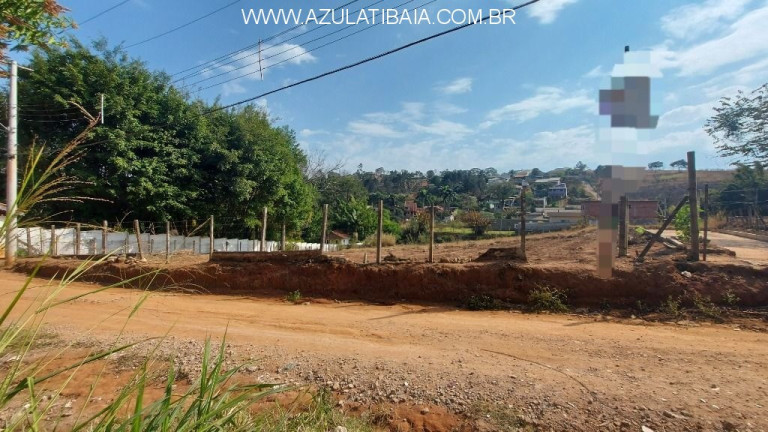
x: 411, y: 209
x: 520, y: 176
x: 558, y: 191
x: 337, y: 237
x: 639, y: 211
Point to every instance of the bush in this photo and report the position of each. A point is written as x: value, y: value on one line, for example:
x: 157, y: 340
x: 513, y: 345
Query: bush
x: 416, y: 230
x: 482, y: 302
x: 476, y: 221
x: 671, y: 306
x: 293, y: 296
x: 386, y: 240
x: 683, y: 224
x: 548, y: 299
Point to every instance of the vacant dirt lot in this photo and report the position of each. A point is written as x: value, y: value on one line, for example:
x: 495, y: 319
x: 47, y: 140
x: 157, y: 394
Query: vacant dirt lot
x: 561, y: 372
x: 417, y: 362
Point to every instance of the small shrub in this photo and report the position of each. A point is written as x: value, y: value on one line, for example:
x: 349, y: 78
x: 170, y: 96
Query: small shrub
x: 293, y: 296
x: 707, y: 307
x: 641, y: 307
x: 481, y: 302
x: 477, y: 221
x: 682, y: 224
x: 549, y: 299
x: 730, y: 298
x: 386, y: 240
x: 671, y: 306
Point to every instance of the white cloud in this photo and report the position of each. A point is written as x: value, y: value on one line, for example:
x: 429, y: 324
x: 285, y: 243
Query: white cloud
x: 232, y: 88
x: 693, y: 20
x: 372, y: 129
x: 547, y: 100
x: 686, y: 115
x: 546, y: 11
x: 457, y: 86
x: 597, y: 72
x: 444, y: 128
x: 307, y: 133
x: 745, y: 39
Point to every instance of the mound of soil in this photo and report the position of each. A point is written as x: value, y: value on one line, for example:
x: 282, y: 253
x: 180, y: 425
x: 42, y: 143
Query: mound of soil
x: 452, y: 284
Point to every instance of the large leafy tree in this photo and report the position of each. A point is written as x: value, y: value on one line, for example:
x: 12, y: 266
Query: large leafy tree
x: 740, y: 126
x: 160, y: 155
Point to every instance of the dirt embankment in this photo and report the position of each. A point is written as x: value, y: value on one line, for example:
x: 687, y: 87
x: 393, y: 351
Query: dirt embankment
x: 334, y: 278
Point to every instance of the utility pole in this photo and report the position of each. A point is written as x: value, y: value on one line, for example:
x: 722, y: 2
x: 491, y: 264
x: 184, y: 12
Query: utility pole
x: 522, y: 222
x: 11, y: 168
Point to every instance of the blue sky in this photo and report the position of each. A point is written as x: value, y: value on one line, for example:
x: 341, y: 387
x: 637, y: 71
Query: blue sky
x: 510, y: 96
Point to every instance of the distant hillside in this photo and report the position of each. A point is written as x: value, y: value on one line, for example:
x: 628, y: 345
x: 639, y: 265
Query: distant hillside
x: 671, y: 186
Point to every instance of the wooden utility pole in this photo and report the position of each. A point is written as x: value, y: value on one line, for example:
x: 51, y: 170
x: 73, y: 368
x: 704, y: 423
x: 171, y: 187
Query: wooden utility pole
x: 325, y: 228
x: 77, y: 239
x: 210, y: 235
x: 263, y: 247
x: 623, y: 226
x: 694, y: 206
x: 137, y: 230
x: 432, y: 235
x: 11, y: 183
x: 706, y: 221
x: 378, y: 231
x: 167, y: 242
x: 522, y: 223
x: 282, y: 239
x: 104, y: 231
x: 29, y: 241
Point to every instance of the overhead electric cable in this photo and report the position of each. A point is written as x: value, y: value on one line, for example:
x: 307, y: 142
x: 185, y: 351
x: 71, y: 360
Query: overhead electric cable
x: 369, y: 59
x: 264, y: 40
x: 182, y: 26
x: 104, y: 11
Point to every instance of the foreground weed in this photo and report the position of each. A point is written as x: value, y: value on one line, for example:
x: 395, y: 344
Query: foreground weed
x: 502, y: 418
x: 319, y: 415
x: 547, y: 299
x: 671, y: 307
x: 293, y: 297
x: 730, y: 299
x: 482, y: 302
x: 707, y: 308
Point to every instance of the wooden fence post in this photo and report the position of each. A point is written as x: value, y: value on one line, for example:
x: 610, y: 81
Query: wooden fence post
x: 324, y: 233
x: 210, y: 234
x: 623, y: 226
x: 77, y: 239
x: 167, y: 241
x: 661, y: 230
x: 282, y: 239
x: 694, y: 201
x: 432, y: 234
x: 378, y: 231
x: 263, y: 247
x: 54, y: 246
x: 137, y: 231
x: 104, y: 231
x: 706, y: 220
x: 29, y: 242
x: 522, y: 222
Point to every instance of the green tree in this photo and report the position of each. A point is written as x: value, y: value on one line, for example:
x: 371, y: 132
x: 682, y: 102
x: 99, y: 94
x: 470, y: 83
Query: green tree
x: 656, y: 165
x: 679, y: 164
x: 740, y: 125
x: 31, y: 23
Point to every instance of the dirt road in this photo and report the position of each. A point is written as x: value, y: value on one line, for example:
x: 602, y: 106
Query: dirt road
x: 754, y: 252
x: 564, y: 372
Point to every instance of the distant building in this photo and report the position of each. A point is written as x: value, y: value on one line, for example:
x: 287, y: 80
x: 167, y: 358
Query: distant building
x: 558, y: 191
x: 337, y: 237
x: 639, y: 211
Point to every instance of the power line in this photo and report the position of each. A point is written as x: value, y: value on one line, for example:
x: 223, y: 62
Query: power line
x: 182, y: 26
x: 266, y: 39
x: 370, y: 59
x: 291, y: 49
x: 105, y: 11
